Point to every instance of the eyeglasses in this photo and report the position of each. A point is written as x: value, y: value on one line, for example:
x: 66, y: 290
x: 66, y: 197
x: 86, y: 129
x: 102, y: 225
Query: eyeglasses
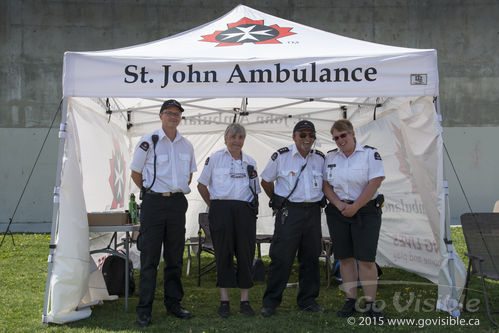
x: 172, y: 114
x: 310, y: 135
x: 342, y: 136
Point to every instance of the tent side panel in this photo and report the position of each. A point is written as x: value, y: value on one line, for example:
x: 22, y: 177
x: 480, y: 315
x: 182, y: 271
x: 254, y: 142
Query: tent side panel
x: 69, y: 280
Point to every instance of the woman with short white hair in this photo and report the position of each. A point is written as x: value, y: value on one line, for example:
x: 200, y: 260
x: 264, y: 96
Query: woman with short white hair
x: 229, y: 186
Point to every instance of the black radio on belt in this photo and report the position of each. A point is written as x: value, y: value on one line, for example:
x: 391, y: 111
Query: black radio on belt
x: 379, y: 201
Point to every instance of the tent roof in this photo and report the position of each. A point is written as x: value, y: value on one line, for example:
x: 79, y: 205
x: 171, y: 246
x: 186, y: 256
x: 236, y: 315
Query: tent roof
x: 248, y: 53
x: 303, y: 42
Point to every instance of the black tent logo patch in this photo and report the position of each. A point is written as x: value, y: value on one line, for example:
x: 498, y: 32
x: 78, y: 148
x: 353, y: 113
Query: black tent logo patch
x: 248, y: 31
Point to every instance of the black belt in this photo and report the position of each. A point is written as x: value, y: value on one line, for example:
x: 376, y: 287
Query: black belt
x: 351, y: 202
x: 302, y: 204
x: 166, y: 194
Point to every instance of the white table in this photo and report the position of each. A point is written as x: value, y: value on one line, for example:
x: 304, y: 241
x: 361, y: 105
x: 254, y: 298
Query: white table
x: 126, y: 243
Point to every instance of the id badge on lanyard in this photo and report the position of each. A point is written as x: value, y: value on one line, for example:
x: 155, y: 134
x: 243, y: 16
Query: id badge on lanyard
x: 330, y: 168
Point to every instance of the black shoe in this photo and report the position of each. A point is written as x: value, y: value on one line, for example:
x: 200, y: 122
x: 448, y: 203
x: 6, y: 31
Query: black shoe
x: 178, y: 311
x: 143, y: 320
x: 245, y: 309
x: 348, y: 309
x: 224, y: 309
x: 314, y: 308
x: 267, y: 312
x: 372, y: 311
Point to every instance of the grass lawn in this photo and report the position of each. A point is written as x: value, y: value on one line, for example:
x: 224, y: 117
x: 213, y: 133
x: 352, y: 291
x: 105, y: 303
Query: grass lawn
x: 23, y: 271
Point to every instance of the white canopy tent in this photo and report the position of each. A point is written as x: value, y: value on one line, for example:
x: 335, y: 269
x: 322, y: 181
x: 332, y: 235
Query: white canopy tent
x: 266, y: 73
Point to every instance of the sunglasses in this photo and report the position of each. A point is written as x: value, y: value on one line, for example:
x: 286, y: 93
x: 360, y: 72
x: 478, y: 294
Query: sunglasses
x: 310, y: 135
x: 342, y: 136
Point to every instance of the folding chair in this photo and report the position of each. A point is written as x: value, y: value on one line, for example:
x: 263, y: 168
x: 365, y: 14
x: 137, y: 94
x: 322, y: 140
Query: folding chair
x: 481, y: 233
x: 327, y: 251
x: 205, y: 244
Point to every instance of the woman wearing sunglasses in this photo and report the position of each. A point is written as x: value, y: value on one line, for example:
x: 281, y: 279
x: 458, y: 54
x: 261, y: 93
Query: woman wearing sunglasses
x: 352, y: 176
x: 233, y: 186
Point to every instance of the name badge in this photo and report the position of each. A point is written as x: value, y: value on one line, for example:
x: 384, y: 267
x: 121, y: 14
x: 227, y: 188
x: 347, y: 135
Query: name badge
x: 316, y: 183
x: 330, y: 168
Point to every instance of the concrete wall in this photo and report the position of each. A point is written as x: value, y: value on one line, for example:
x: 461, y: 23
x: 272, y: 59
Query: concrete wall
x: 475, y: 157
x: 35, y: 33
x: 18, y: 152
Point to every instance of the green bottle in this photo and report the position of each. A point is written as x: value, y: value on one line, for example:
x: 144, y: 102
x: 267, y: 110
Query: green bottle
x: 132, y: 208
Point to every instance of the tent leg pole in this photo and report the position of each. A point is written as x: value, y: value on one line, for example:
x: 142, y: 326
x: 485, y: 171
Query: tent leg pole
x: 55, y: 209
x: 447, y: 234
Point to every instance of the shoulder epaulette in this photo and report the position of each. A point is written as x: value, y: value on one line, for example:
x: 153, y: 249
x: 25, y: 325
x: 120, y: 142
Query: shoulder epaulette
x: 279, y: 151
x: 283, y: 150
x: 366, y: 146
x: 335, y: 149
x: 318, y: 152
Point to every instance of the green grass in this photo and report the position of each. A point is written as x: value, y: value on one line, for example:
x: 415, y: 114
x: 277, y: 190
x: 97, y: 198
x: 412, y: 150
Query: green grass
x: 23, y: 271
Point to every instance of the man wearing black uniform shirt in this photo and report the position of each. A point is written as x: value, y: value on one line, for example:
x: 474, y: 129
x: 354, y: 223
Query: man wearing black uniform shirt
x: 295, y: 197
x: 162, y: 167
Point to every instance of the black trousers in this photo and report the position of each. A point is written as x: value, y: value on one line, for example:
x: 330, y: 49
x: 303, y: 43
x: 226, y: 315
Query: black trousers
x: 233, y: 232
x: 162, y: 224
x: 299, y: 231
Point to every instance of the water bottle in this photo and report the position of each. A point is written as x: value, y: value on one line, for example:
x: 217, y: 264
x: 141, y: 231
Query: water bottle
x: 132, y: 207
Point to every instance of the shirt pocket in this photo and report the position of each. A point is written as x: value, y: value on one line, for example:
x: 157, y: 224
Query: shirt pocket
x: 185, y: 162
x: 359, y: 175
x: 160, y: 159
x: 288, y: 177
x: 221, y: 178
x: 161, y: 164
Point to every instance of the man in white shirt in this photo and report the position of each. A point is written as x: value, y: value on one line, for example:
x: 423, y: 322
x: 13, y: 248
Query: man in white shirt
x: 293, y: 181
x: 162, y: 167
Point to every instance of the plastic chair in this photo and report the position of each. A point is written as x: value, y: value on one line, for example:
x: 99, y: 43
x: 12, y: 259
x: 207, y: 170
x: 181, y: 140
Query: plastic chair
x: 481, y: 233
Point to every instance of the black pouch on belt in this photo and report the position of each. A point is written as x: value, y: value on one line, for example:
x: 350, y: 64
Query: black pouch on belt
x: 379, y: 201
x: 277, y: 202
x: 323, y: 202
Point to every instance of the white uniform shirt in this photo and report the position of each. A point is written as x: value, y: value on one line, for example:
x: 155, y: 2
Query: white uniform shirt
x: 350, y: 175
x: 227, y: 178
x: 284, y: 168
x: 174, y: 162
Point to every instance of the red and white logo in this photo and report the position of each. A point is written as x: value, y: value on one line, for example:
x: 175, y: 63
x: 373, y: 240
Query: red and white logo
x: 248, y: 31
